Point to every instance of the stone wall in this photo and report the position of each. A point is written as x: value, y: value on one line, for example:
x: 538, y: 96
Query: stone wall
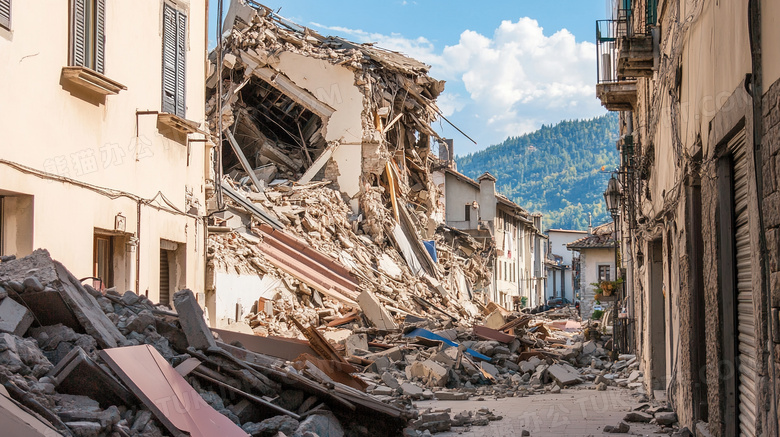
x: 771, y: 166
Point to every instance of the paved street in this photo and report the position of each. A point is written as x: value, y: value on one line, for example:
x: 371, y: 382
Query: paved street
x: 573, y: 412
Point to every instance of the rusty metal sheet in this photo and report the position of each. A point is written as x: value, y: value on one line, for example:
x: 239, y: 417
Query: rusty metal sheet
x: 172, y: 400
x: 486, y: 333
x: 308, y: 265
x: 279, y: 347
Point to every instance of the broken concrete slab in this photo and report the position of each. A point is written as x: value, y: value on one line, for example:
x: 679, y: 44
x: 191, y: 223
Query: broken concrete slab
x: 430, y: 372
x: 14, y: 317
x: 412, y: 390
x: 495, y: 320
x: 490, y: 369
x: 63, y: 299
x: 376, y: 312
x: 564, y: 375
x: 191, y: 319
x: 321, y: 424
x: 451, y: 396
x: 666, y: 418
x: 77, y: 374
x: 638, y: 416
x: 355, y: 343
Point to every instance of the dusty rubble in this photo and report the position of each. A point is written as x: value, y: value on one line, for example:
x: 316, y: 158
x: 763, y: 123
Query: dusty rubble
x: 79, y: 384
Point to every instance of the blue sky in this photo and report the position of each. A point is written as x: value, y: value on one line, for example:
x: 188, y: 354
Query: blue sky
x: 510, y: 65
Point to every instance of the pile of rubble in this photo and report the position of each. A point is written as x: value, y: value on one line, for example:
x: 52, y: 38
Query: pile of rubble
x: 86, y: 363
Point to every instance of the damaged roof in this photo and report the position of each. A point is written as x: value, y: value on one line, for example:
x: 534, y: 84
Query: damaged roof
x: 600, y: 239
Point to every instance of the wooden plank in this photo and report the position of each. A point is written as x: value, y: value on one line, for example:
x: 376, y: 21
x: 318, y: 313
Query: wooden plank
x: 492, y: 334
x: 293, y: 91
x: 242, y: 158
x: 318, y: 163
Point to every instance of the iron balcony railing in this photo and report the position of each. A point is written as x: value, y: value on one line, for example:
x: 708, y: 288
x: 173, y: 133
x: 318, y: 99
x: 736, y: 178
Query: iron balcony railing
x: 608, y: 32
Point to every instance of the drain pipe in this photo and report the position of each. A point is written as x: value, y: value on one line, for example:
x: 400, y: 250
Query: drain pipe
x: 757, y: 94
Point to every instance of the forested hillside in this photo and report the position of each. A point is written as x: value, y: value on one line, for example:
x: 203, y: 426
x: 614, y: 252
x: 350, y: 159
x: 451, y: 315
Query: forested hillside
x: 555, y: 170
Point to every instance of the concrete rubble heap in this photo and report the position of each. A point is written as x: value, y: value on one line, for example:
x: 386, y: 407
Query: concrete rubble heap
x: 168, y: 373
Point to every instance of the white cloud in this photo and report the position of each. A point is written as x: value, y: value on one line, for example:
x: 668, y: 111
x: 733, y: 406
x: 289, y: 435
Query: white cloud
x: 506, y: 84
x: 521, y: 77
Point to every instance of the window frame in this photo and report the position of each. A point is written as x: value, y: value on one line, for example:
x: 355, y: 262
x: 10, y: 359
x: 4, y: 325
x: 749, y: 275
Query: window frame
x: 176, y: 103
x: 92, y: 51
x: 5, y: 22
x: 607, y: 269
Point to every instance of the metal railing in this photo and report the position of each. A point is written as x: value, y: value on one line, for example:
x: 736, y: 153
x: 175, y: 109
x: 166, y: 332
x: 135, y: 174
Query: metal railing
x: 608, y: 32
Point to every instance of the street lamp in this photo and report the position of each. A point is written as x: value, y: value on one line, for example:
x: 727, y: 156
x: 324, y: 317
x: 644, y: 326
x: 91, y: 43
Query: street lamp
x: 612, y: 197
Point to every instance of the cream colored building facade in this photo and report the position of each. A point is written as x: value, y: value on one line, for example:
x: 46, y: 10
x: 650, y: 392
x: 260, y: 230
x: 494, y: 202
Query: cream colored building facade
x: 89, y: 170
x: 697, y: 84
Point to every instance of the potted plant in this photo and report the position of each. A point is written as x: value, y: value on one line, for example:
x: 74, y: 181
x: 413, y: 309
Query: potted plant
x: 607, y: 287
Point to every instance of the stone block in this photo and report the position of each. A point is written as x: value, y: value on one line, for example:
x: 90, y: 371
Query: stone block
x: 390, y: 380
x: 191, y: 319
x: 412, y: 390
x: 495, y: 320
x: 451, y: 396
x: 430, y: 372
x: 563, y: 374
x: 357, y: 342
x: 14, y: 317
x: 666, y: 418
x: 322, y: 424
x: 375, y: 312
x: 638, y: 416
x: 589, y: 347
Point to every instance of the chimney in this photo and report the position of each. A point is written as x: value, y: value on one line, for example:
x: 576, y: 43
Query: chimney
x: 590, y: 224
x: 446, y: 152
x: 487, y: 197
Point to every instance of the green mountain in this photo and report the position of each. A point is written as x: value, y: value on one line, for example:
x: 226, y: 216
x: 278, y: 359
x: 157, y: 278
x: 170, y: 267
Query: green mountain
x: 555, y: 170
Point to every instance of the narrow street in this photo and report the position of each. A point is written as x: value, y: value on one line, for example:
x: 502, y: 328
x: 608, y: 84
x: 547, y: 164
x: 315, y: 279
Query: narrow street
x: 580, y: 411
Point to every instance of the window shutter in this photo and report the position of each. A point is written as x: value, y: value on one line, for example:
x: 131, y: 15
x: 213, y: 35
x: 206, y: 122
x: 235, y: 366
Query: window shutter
x: 79, y: 32
x: 5, y: 13
x: 181, y: 53
x: 100, y: 35
x: 169, y: 60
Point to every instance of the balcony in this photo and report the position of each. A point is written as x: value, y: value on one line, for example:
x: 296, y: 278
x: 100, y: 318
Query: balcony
x: 617, y: 92
x: 636, y: 54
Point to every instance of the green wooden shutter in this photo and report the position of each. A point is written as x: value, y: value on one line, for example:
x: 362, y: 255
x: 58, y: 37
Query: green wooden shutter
x: 100, y: 35
x: 181, y: 54
x: 169, y: 60
x: 5, y: 13
x: 79, y: 33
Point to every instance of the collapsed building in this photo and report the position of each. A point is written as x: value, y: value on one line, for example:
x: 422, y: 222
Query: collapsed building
x: 327, y: 196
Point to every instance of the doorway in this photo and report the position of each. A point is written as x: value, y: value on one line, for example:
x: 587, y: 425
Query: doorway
x: 657, y: 317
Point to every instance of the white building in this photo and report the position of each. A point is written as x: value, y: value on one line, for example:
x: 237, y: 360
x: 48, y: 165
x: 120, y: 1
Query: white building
x: 103, y: 160
x: 597, y: 263
x: 560, y: 266
x: 475, y: 208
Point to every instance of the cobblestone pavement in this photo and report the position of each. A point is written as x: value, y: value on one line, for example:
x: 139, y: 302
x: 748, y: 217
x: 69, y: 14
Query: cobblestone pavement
x: 581, y: 411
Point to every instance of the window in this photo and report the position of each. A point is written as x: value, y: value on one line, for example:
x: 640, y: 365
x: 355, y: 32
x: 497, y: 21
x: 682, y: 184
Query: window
x: 5, y: 14
x: 87, y: 34
x: 603, y: 273
x: 173, y: 60
x: 468, y: 212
